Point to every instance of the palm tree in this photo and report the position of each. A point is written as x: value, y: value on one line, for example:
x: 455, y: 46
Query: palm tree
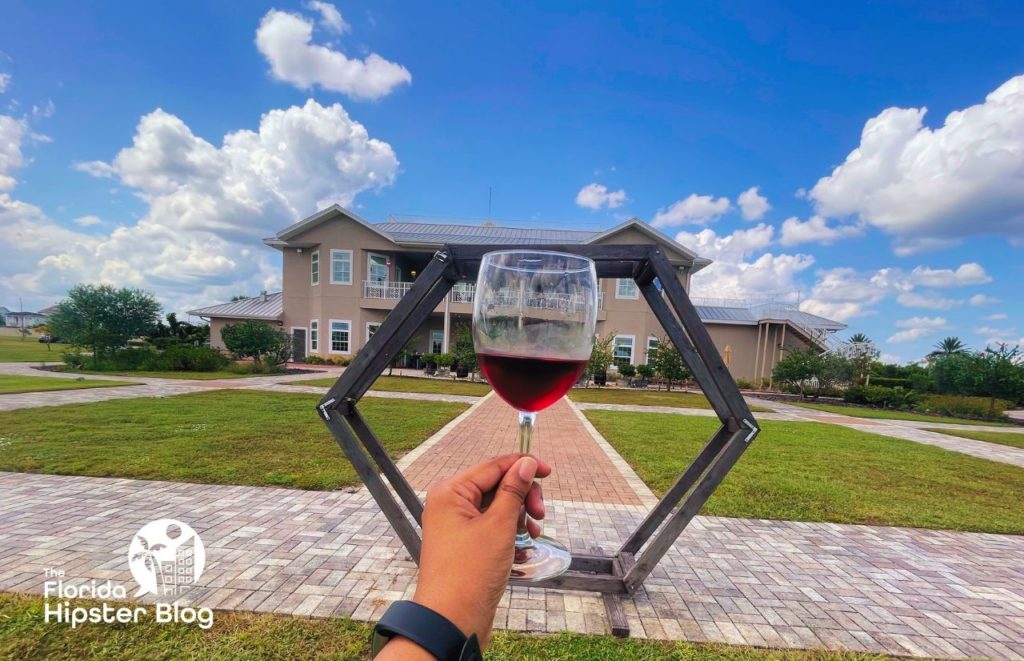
x: 859, y: 338
x: 949, y: 346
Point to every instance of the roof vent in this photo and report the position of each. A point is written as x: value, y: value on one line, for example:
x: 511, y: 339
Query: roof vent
x: 263, y: 295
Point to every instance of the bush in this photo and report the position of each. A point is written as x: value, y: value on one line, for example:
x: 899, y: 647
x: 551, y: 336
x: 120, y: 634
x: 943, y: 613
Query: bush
x: 131, y: 360
x: 880, y: 396
x: 645, y: 371
x: 628, y: 371
x: 189, y: 359
x: 963, y: 406
x: 74, y: 359
x: 314, y: 360
x: 444, y: 359
x: 743, y: 384
x: 891, y: 382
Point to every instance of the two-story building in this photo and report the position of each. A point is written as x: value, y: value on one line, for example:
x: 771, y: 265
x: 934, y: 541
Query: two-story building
x: 343, y: 275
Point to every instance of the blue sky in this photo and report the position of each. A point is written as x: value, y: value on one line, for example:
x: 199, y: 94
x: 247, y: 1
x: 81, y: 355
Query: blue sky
x: 154, y: 145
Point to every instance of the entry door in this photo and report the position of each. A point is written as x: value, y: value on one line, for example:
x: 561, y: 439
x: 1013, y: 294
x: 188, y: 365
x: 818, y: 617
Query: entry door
x: 436, y: 341
x: 299, y: 344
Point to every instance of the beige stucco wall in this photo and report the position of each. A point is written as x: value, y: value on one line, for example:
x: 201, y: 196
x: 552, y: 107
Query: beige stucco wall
x: 753, y: 351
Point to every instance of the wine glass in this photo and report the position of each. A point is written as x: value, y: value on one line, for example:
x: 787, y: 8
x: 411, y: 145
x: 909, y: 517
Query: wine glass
x: 534, y: 316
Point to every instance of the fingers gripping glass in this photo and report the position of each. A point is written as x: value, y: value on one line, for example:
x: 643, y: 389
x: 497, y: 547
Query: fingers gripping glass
x: 534, y: 317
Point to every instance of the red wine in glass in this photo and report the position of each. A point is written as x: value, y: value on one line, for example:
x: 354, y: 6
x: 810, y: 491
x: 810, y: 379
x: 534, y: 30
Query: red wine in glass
x: 530, y: 384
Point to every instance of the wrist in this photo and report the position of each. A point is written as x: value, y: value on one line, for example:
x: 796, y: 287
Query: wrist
x: 457, y: 610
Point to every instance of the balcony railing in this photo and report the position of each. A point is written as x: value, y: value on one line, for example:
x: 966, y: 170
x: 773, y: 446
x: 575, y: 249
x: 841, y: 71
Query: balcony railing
x: 462, y: 292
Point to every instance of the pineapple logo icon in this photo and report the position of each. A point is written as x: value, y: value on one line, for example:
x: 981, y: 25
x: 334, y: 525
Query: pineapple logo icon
x: 166, y: 558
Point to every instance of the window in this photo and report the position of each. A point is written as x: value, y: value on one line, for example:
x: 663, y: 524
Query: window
x: 622, y: 350
x: 626, y: 288
x: 371, y: 328
x: 436, y: 341
x: 652, y: 345
x: 377, y: 268
x: 314, y: 336
x: 341, y: 267
x: 314, y: 268
x: 340, y: 336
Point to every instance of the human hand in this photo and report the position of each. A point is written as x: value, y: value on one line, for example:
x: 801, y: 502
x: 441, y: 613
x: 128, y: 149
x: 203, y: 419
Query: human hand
x: 467, y: 553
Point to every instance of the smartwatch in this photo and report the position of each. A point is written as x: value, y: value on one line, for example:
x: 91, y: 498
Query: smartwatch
x: 428, y: 629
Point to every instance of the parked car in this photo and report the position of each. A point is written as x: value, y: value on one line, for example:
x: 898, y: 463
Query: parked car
x: 48, y: 339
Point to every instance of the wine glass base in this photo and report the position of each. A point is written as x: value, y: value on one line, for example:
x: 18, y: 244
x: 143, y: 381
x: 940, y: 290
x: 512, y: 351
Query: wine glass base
x: 545, y: 559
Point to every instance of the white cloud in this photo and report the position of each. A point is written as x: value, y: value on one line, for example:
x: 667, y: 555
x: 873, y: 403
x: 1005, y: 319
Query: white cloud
x: 5, y: 80
x: 734, y: 275
x: 998, y: 316
x: 995, y: 332
x: 88, y: 221
x: 12, y: 132
x: 917, y: 327
x: 594, y: 196
x: 208, y: 207
x: 971, y: 273
x: 694, y: 210
x: 982, y: 299
x: 815, y: 230
x: 753, y: 205
x: 330, y: 17
x: 285, y: 39
x: 890, y: 359
x: 930, y: 301
x: 931, y: 187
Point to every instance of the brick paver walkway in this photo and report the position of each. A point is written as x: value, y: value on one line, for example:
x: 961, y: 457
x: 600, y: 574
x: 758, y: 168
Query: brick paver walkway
x: 583, y: 473
x: 784, y: 584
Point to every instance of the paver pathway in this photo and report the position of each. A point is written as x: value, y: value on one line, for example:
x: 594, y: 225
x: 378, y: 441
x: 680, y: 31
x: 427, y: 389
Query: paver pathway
x: 910, y: 430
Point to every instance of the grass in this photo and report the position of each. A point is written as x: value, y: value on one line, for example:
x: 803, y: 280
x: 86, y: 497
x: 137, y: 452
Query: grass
x: 195, y: 376
x: 630, y: 396
x: 415, y: 384
x: 241, y: 636
x: 10, y: 384
x: 220, y: 437
x: 1002, y: 438
x: 808, y: 471
x: 14, y: 349
x: 885, y: 414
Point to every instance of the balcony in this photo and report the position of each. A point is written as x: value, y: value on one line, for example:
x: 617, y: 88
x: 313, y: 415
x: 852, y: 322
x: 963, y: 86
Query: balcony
x: 388, y: 293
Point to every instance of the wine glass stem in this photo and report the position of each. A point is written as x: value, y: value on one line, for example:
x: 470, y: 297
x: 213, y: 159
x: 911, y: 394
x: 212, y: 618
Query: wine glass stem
x: 526, y: 420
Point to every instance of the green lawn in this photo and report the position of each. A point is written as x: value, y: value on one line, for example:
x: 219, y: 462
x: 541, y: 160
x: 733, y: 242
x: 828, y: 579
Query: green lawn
x: 414, y: 384
x: 807, y: 471
x: 884, y: 414
x: 1002, y: 438
x: 13, y: 384
x: 631, y: 396
x: 220, y: 437
x: 14, y: 349
x: 26, y: 636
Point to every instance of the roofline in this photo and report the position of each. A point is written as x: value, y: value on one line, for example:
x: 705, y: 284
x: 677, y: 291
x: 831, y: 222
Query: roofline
x: 281, y: 240
x: 697, y: 261
x: 198, y: 313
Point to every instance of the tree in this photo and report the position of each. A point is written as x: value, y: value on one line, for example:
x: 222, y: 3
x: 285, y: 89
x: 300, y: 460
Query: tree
x: 859, y: 338
x: 668, y: 363
x: 860, y: 351
x: 949, y: 346
x: 257, y: 340
x: 103, y: 318
x: 799, y: 369
x: 600, y: 356
x: 463, y: 350
x: 998, y: 374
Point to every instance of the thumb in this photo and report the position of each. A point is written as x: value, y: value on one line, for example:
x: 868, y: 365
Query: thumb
x: 511, y: 493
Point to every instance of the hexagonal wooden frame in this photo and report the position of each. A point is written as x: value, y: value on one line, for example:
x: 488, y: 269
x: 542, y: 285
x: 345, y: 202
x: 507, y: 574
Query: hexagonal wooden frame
x: 637, y: 557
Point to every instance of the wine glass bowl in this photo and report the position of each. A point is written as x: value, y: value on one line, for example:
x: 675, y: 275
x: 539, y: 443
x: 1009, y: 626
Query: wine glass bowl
x: 534, y: 318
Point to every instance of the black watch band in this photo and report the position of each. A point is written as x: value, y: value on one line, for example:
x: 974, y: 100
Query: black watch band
x: 428, y: 629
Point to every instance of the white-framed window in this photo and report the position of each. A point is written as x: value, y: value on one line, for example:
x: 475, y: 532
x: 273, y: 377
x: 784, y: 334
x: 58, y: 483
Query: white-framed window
x: 626, y: 288
x: 314, y: 268
x: 652, y: 345
x: 341, y: 336
x: 622, y: 349
x: 436, y: 341
x: 341, y: 267
x: 377, y: 268
x: 314, y: 335
x: 371, y: 328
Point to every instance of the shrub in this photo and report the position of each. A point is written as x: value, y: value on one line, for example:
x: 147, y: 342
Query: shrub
x: 744, y: 384
x: 182, y: 358
x: 645, y: 371
x: 257, y: 340
x: 74, y: 359
x: 314, y: 360
x: 131, y: 359
x: 962, y: 405
x: 890, y: 382
x: 880, y: 396
x: 445, y: 359
x: 628, y: 371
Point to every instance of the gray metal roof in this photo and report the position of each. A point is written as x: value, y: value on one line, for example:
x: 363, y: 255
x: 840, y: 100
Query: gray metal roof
x: 752, y: 314
x: 247, y: 308
x: 402, y: 232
